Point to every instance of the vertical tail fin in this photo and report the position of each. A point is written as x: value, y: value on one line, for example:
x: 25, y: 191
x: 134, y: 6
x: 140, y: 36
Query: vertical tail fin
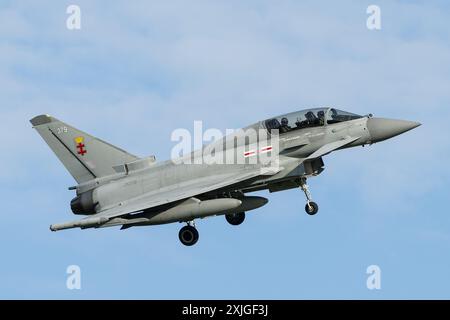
x: 83, y: 155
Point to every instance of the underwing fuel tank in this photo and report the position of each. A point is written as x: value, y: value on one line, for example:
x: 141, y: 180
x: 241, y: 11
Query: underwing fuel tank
x: 193, y: 208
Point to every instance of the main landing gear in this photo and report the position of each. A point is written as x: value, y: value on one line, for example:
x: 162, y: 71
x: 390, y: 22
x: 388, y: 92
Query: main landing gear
x: 188, y: 234
x: 311, y: 207
x: 235, y: 219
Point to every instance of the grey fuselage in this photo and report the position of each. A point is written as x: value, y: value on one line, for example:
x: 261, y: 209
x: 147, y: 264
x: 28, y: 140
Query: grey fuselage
x: 298, y: 152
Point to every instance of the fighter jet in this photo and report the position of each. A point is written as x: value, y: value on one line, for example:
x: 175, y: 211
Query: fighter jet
x: 116, y: 188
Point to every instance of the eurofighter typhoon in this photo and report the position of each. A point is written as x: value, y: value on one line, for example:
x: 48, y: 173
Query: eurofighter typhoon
x: 116, y: 188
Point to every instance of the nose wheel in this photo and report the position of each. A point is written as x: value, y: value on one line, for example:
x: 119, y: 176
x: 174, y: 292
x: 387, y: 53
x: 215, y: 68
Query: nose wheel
x: 188, y: 235
x: 311, y: 207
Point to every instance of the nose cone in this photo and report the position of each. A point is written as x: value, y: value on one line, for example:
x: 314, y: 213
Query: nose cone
x: 381, y: 129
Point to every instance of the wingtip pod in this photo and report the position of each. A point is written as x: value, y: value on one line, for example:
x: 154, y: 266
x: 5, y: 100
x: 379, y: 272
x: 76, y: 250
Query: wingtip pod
x: 41, y: 119
x: 83, y: 224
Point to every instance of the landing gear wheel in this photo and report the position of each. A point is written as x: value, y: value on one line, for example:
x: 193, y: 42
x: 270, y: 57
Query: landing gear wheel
x: 188, y: 235
x: 235, y: 219
x: 311, y: 208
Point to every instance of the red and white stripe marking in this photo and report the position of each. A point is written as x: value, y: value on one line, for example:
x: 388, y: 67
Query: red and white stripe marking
x: 251, y: 153
x: 266, y: 149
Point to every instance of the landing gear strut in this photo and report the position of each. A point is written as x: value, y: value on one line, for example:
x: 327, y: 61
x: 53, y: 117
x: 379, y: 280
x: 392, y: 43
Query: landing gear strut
x: 188, y: 234
x: 311, y: 207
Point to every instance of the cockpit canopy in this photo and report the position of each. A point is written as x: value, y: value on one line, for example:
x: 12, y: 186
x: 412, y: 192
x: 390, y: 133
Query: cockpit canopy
x: 308, y: 118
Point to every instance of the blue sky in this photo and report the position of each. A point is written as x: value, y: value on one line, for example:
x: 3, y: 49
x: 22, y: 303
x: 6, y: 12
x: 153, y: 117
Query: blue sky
x: 135, y: 72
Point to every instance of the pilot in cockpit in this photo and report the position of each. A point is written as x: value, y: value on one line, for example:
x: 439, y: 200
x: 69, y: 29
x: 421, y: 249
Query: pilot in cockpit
x: 284, y: 125
x: 310, y: 118
x: 321, y: 116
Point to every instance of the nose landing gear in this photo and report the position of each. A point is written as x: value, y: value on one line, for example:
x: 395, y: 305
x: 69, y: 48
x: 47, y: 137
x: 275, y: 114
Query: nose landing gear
x: 311, y: 207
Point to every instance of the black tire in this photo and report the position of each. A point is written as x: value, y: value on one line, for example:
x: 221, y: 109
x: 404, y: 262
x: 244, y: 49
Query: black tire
x: 188, y: 235
x: 235, y: 219
x: 312, y: 208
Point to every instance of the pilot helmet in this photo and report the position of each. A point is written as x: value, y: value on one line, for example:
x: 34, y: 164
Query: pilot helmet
x: 309, y: 115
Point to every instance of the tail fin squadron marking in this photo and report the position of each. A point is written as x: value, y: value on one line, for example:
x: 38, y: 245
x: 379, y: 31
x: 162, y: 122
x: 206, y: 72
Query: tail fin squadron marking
x: 80, y: 146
